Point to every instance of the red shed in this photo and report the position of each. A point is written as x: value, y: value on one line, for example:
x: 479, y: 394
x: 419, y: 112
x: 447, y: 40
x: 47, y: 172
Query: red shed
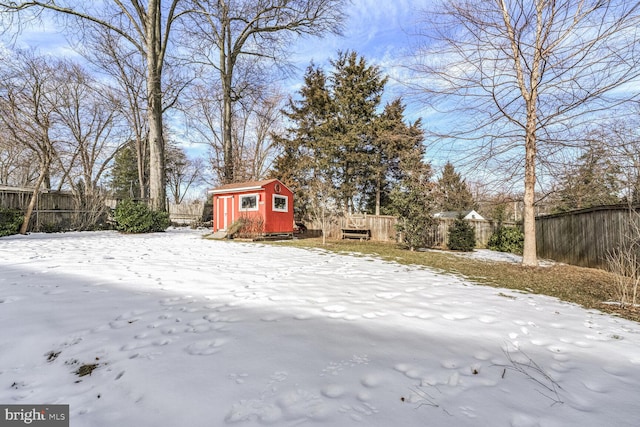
x: 268, y: 205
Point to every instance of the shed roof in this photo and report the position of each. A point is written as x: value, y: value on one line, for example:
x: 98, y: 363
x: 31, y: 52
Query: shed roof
x: 243, y: 186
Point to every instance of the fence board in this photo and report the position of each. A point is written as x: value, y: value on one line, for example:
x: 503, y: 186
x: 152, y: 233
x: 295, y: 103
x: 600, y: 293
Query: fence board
x: 186, y: 213
x: 54, y: 211
x: 585, y: 237
x: 383, y: 229
x: 438, y: 237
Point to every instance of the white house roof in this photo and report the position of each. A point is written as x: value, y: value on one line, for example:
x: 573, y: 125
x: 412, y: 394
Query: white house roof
x: 472, y: 214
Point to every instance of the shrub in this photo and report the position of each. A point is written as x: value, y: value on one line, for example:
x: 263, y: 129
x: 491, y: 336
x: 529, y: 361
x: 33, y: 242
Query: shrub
x: 91, y: 212
x: 462, y: 236
x: 507, y: 239
x: 136, y: 217
x: 246, y: 227
x: 414, y: 231
x: 10, y: 221
x: 411, y: 205
x: 251, y: 227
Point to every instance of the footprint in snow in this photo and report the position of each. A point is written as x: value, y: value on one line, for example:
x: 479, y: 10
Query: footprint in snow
x: 455, y: 316
x: 334, y: 308
x: 134, y: 345
x: 238, y: 378
x: 198, y: 327
x: 487, y: 319
x: 333, y: 391
x: 409, y: 371
x: 358, y: 412
x: 300, y: 405
x: 372, y: 380
x: 205, y: 348
x: 252, y: 410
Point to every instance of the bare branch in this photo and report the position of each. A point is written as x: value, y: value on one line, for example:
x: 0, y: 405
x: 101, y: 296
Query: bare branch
x: 525, y: 75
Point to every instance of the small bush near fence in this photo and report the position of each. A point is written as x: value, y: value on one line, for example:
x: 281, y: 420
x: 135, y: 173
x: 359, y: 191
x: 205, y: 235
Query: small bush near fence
x: 413, y: 235
x: 10, y: 221
x: 462, y: 236
x: 136, y: 217
x: 507, y: 239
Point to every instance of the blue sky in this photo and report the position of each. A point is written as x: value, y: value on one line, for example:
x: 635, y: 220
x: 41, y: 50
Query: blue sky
x: 381, y: 31
x: 378, y: 30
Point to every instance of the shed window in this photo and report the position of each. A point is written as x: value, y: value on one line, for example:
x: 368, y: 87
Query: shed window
x: 280, y: 203
x: 249, y: 203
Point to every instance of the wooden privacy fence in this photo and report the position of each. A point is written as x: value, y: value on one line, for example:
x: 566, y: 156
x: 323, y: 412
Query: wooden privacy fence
x: 585, y: 237
x: 383, y: 229
x: 438, y: 236
x: 54, y: 210
x: 186, y: 213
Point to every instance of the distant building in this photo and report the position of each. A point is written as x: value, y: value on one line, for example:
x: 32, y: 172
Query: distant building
x: 469, y: 215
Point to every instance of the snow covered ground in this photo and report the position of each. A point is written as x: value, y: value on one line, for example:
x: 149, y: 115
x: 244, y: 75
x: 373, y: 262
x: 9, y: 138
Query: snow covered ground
x: 192, y: 332
x: 488, y: 255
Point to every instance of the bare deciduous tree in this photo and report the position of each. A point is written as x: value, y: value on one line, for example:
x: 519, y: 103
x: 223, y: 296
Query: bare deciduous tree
x: 182, y: 172
x: 27, y: 102
x: 623, y: 260
x: 89, y: 115
x: 125, y: 67
x: 16, y: 165
x: 257, y: 117
x: 622, y: 138
x: 524, y: 73
x: 147, y: 29
x: 91, y: 133
x: 256, y: 121
x: 237, y: 38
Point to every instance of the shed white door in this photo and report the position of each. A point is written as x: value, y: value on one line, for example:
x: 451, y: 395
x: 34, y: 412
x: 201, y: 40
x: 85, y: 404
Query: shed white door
x: 226, y: 212
x: 225, y: 215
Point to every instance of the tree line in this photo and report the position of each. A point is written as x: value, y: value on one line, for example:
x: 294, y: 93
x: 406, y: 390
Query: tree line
x: 528, y: 86
x: 231, y: 41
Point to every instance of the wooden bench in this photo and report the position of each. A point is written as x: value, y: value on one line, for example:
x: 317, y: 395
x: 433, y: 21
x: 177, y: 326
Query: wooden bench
x: 356, y: 233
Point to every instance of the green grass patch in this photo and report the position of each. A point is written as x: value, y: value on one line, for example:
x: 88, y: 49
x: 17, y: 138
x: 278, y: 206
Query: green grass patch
x: 588, y: 287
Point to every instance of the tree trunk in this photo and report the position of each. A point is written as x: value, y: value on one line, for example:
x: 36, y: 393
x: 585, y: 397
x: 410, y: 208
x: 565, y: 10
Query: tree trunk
x: 141, y: 152
x: 34, y: 198
x: 226, y: 62
x: 227, y: 134
x: 157, y: 178
x: 529, y: 255
x: 378, y: 191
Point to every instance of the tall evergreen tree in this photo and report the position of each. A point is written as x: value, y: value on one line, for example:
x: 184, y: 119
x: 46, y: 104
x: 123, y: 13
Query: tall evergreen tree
x: 306, y: 152
x: 125, y: 183
x: 340, y: 139
x: 454, y: 193
x: 356, y: 92
x: 395, y: 147
x: 412, y: 200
